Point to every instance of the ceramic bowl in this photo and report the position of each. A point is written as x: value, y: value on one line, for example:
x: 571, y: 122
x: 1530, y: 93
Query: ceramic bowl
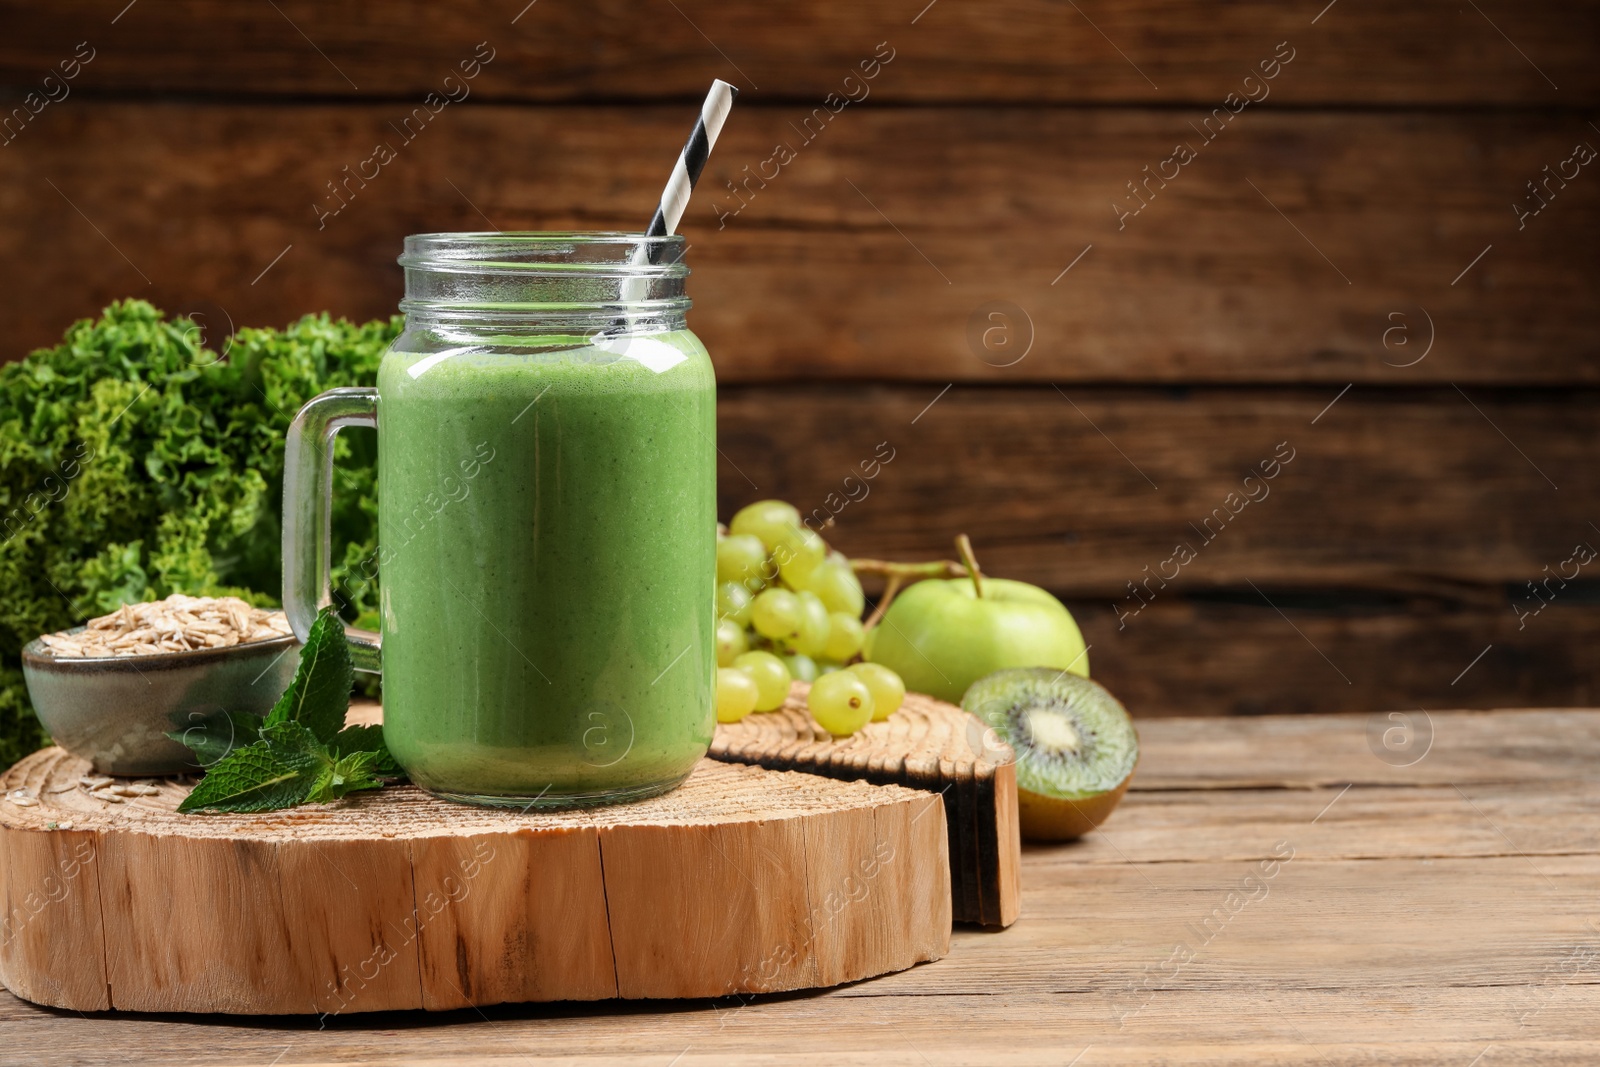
x: 116, y: 711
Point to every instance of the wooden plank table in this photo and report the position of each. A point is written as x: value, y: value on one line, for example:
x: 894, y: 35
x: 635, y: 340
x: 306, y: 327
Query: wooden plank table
x: 1277, y: 889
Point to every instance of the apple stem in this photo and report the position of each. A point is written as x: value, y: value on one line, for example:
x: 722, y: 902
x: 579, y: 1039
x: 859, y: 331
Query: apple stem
x: 964, y: 546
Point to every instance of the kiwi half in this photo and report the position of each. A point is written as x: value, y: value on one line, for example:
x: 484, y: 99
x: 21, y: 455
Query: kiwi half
x: 1075, y: 746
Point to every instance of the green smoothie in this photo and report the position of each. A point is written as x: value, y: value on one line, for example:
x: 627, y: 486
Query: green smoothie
x: 547, y: 552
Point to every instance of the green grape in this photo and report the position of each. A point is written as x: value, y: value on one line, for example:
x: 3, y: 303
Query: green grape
x: 740, y: 558
x: 887, y: 688
x: 837, y: 585
x: 844, y: 637
x: 766, y: 519
x: 840, y: 702
x: 777, y: 614
x: 770, y: 675
x: 826, y: 666
x: 798, y: 553
x: 733, y: 602
x: 801, y: 667
x: 814, y: 625
x: 731, y: 642
x: 737, y: 694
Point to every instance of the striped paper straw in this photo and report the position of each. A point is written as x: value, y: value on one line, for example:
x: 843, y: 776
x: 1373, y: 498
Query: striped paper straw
x: 692, y: 160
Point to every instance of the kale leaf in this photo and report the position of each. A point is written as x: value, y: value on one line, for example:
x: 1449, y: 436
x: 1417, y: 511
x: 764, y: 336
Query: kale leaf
x: 135, y: 463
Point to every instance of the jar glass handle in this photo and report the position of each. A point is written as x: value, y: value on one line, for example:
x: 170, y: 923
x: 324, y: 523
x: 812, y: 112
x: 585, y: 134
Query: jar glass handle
x: 308, y: 512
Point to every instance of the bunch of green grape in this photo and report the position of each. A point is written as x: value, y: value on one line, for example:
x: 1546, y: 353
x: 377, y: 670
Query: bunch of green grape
x: 789, y: 609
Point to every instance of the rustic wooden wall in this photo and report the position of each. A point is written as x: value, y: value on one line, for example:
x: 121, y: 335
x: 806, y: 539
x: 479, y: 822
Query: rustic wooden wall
x: 1340, y: 273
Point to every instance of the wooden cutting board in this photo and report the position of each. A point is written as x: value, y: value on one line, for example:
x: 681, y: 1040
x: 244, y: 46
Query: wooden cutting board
x: 927, y: 745
x: 743, y: 880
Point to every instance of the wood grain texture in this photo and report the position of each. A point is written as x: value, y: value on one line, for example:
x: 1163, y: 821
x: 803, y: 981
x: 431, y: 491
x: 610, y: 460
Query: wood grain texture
x: 165, y: 949
x: 928, y: 745
x: 1081, y: 490
x: 953, y: 212
x: 539, y: 910
x: 52, y: 901
x: 1463, y: 748
x: 742, y: 880
x: 345, y: 885
x: 1545, y: 825
x: 1391, y: 930
x: 1152, y: 51
x: 1239, y: 656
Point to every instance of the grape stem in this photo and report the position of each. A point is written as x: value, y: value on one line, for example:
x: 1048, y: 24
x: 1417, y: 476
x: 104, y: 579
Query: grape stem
x: 939, y: 568
x: 890, y: 588
x: 964, y: 547
x: 899, y: 575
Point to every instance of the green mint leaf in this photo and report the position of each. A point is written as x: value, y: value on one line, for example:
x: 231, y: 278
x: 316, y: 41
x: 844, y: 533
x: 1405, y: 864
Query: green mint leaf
x: 287, y: 767
x: 320, y: 791
x: 214, y: 736
x: 319, y: 696
x: 293, y: 738
x: 344, y: 776
x: 366, y: 739
x: 276, y: 772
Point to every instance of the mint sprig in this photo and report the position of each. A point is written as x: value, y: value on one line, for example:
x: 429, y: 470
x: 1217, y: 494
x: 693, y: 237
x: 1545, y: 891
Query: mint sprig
x: 298, y: 754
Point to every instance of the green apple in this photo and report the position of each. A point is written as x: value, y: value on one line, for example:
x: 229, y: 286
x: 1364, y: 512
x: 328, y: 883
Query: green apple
x: 940, y: 636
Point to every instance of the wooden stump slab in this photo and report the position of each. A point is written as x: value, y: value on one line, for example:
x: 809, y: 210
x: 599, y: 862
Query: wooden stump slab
x: 928, y: 745
x: 743, y: 880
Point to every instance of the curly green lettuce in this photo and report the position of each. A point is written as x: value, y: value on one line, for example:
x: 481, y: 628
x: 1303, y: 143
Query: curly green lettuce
x: 136, y: 463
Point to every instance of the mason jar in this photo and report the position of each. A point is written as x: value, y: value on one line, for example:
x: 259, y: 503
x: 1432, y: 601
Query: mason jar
x: 546, y: 519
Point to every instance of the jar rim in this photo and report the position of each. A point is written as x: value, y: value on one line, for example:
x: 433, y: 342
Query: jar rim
x: 545, y: 281
x: 517, y: 251
x: 626, y: 236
